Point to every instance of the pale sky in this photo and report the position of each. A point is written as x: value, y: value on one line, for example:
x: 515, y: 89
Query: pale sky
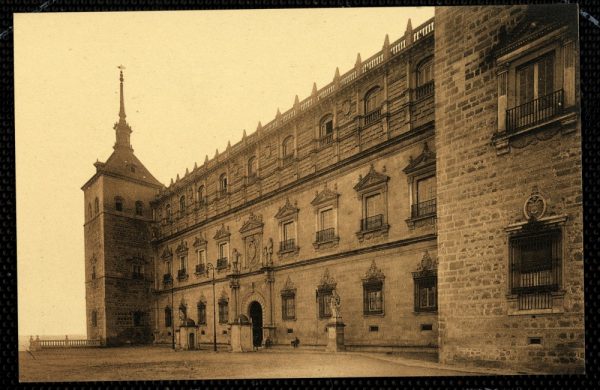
x: 193, y: 81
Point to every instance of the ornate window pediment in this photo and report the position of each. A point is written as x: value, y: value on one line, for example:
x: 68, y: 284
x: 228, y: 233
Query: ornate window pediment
x: 325, y: 197
x: 222, y: 233
x: 200, y: 241
x: 374, y: 274
x: 327, y: 282
x: 254, y: 223
x: 427, y: 267
x: 423, y: 162
x: 289, y: 288
x: 182, y: 247
x: 287, y: 210
x: 372, y: 179
x: 166, y: 253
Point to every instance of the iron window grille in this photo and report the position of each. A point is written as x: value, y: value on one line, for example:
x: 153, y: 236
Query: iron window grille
x: 373, y: 297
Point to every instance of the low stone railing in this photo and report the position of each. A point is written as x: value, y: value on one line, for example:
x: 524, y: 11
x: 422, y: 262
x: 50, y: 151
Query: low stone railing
x: 37, y: 344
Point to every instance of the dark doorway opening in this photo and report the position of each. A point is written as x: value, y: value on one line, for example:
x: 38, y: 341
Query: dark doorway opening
x: 192, y: 341
x: 256, y: 318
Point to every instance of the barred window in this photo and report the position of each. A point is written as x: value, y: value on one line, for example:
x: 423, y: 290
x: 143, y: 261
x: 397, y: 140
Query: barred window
x: 324, y: 297
x: 536, y: 267
x: 426, y: 293
x: 373, y: 297
x: 288, y: 306
x: 201, y: 313
x: 223, y: 311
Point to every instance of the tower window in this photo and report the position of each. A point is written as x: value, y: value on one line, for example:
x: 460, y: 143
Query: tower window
x: 223, y: 184
x: 119, y: 203
x: 288, y: 147
x: 168, y: 319
x: 139, y: 208
x: 96, y: 205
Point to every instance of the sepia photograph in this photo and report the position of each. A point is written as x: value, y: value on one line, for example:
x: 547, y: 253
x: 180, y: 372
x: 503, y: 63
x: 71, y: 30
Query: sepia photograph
x: 299, y: 193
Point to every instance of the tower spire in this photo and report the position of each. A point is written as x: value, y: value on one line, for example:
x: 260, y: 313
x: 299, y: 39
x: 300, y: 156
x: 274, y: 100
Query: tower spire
x: 122, y: 106
x: 122, y: 129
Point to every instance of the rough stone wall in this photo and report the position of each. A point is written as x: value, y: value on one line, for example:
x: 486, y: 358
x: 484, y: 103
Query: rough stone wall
x: 480, y: 193
x: 125, y: 236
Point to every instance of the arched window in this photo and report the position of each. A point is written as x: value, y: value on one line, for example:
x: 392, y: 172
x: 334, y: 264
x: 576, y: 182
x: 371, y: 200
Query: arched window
x: 168, y: 213
x: 200, y: 192
x: 96, y: 205
x: 223, y: 184
x: 118, y: 203
x: 372, y: 100
x: 326, y: 130
x: 288, y: 147
x: 89, y: 210
x: 182, y: 205
x: 425, y: 72
x: 139, y: 208
x: 326, y: 127
x: 252, y: 166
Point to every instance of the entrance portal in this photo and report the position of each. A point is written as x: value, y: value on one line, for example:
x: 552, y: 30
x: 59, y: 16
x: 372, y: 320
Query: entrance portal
x: 256, y: 318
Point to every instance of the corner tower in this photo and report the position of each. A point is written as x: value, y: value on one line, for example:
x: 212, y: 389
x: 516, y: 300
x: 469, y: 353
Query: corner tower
x: 118, y: 254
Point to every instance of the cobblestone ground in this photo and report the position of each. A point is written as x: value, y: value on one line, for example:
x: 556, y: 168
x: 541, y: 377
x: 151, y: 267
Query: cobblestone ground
x: 155, y: 363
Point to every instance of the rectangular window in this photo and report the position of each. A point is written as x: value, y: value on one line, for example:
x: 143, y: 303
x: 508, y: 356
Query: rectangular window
x: 137, y: 318
x: 289, y: 231
x: 373, y: 205
x: 223, y: 312
x: 324, y: 298
x: 535, y: 79
x: 536, y: 261
x: 426, y: 293
x: 168, y: 318
x: 425, y: 197
x: 373, y: 298
x: 201, y: 257
x: 326, y: 219
x: 288, y: 309
x: 223, y: 250
x: 169, y: 268
x: 201, y: 313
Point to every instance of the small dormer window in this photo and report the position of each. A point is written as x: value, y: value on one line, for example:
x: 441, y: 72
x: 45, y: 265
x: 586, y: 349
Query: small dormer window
x: 132, y: 168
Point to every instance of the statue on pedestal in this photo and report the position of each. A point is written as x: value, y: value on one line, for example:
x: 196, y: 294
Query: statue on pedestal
x: 335, y: 305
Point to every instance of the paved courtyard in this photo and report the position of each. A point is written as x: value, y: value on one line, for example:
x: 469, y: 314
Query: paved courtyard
x: 155, y: 363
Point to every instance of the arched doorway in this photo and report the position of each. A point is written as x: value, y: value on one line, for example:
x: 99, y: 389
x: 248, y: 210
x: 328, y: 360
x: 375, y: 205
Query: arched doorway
x: 256, y: 318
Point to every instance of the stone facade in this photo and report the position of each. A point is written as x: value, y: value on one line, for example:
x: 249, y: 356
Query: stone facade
x: 339, y: 193
x: 486, y: 173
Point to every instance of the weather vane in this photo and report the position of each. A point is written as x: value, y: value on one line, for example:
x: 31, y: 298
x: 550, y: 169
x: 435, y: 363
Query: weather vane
x: 121, y: 67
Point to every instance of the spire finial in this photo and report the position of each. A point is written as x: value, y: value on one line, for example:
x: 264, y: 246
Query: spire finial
x: 122, y: 101
x: 122, y: 129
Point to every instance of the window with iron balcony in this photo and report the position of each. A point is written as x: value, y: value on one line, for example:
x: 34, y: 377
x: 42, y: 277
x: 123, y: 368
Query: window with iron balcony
x: 201, y: 307
x: 167, y: 279
x: 422, y: 184
x: 288, y: 242
x: 372, y: 193
x: 424, y: 79
x: 372, y: 106
x: 326, y: 130
x: 536, y: 79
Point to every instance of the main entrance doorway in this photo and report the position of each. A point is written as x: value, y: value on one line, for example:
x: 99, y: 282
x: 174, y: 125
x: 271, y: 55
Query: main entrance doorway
x: 256, y: 318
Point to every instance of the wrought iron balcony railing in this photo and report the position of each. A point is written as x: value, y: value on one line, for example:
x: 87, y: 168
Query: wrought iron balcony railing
x: 287, y: 245
x: 372, y: 223
x: 325, y: 235
x: 424, y: 90
x: 167, y: 279
x: 373, y: 116
x: 137, y: 275
x: 535, y: 112
x: 200, y: 268
x: 182, y: 274
x: 222, y: 263
x: 423, y: 209
x: 326, y: 139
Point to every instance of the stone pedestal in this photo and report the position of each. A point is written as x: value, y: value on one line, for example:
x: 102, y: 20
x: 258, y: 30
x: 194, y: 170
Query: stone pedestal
x: 241, y: 335
x: 335, y: 336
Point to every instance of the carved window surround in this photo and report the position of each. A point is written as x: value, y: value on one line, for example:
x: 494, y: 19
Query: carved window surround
x: 530, y: 122
x: 222, y: 236
x: 288, y: 213
x: 374, y: 183
x: 419, y: 168
x: 373, y: 282
x: 325, y: 200
x: 200, y: 245
x: 288, y: 293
